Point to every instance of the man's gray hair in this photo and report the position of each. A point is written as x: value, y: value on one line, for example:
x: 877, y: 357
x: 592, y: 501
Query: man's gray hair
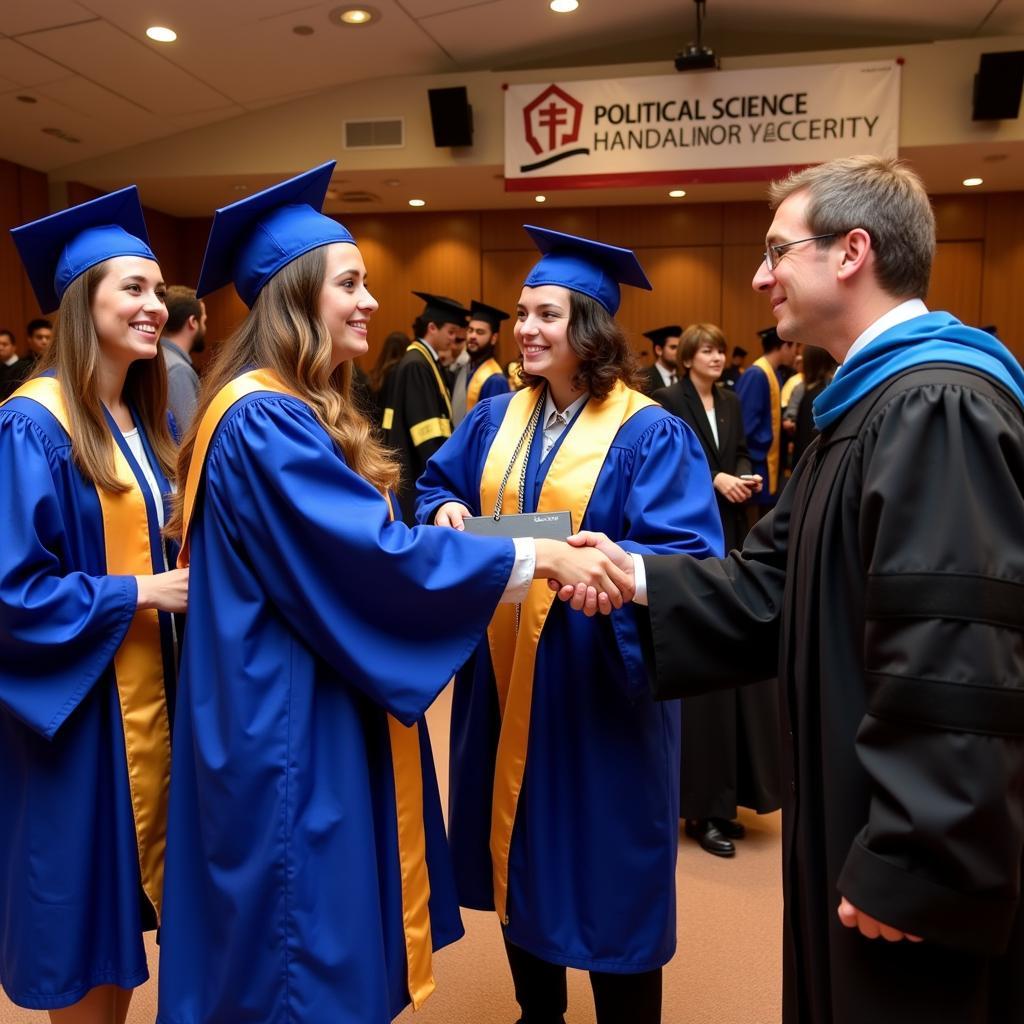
x: 885, y: 198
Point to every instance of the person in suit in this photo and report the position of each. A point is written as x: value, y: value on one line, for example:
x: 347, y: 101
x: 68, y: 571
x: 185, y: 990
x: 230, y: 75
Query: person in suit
x: 730, y: 746
x: 662, y: 372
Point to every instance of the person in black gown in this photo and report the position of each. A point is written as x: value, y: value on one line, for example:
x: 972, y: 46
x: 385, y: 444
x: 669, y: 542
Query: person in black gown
x: 730, y: 745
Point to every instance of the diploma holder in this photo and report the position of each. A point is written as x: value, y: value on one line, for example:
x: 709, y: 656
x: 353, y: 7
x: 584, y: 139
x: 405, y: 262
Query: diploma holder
x: 553, y: 525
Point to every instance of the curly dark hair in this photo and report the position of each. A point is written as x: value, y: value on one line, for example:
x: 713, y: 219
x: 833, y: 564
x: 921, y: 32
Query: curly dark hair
x: 604, y: 351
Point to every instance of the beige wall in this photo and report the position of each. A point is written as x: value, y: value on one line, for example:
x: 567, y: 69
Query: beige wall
x: 935, y: 110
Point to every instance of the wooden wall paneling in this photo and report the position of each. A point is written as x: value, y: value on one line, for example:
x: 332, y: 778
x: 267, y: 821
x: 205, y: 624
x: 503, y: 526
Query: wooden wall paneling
x: 502, y: 273
x: 637, y: 227
x: 744, y: 311
x: 956, y: 280
x: 165, y: 241
x: 12, y: 303
x: 687, y: 290
x: 34, y: 202
x: 1002, y: 295
x: 746, y: 223
x: 427, y: 252
x: 959, y: 218
x: 503, y: 229
x: 79, y: 192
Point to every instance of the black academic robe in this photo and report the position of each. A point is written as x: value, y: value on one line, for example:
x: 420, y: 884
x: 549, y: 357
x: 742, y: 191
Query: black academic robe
x: 417, y: 422
x: 12, y: 377
x: 886, y: 590
x: 730, y: 747
x: 653, y: 380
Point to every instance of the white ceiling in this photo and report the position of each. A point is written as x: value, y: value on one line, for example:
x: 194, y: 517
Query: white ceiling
x: 95, y: 76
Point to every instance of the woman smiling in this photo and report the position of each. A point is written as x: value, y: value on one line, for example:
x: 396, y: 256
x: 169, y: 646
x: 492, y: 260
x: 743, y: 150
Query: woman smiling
x: 564, y: 787
x: 87, y: 643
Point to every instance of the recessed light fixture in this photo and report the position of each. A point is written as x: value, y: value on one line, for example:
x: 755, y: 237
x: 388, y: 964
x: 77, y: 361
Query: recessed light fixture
x: 417, y: 202
x: 540, y: 199
x: 974, y: 182
x: 677, y: 193
x: 392, y: 182
x: 159, y: 34
x: 354, y: 17
x: 564, y: 6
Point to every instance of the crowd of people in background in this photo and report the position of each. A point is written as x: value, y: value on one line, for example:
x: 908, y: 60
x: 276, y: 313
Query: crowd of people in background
x: 345, y: 543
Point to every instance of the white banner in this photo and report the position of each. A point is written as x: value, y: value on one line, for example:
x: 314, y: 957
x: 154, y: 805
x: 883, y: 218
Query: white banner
x: 697, y: 126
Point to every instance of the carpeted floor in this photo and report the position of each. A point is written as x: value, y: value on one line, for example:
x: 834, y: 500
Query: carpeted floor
x: 726, y: 969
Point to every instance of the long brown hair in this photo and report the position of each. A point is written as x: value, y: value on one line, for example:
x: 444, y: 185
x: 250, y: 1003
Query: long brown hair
x: 285, y: 333
x: 604, y: 352
x: 74, y: 354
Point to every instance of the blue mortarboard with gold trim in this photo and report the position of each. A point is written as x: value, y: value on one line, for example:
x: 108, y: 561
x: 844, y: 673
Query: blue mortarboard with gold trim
x: 63, y: 246
x: 586, y: 266
x: 251, y: 240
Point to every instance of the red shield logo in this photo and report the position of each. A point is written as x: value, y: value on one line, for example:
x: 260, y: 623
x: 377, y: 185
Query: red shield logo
x: 552, y: 120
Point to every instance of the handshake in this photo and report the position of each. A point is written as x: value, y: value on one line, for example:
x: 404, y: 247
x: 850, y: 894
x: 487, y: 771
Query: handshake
x: 589, y: 571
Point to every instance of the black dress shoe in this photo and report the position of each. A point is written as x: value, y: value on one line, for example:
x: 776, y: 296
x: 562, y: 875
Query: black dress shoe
x: 730, y: 829
x: 710, y: 837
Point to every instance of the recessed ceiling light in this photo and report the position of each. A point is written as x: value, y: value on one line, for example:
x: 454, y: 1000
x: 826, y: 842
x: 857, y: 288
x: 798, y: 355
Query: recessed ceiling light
x: 564, y: 6
x: 417, y: 202
x: 392, y: 182
x: 354, y: 17
x: 159, y: 34
x: 972, y: 182
x: 540, y: 199
x: 676, y: 193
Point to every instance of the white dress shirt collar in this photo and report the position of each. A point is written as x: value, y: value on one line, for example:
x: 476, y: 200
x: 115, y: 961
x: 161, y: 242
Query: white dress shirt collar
x: 897, y: 315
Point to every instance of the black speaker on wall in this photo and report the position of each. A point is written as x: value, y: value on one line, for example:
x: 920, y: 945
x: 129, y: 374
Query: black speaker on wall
x: 997, y: 86
x: 451, y: 116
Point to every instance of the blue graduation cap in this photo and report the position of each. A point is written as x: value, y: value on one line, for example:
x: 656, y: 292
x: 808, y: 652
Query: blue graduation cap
x: 63, y: 246
x: 586, y: 266
x: 251, y: 240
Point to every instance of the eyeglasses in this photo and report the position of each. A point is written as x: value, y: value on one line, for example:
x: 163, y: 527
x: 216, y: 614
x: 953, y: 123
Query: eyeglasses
x: 774, y: 253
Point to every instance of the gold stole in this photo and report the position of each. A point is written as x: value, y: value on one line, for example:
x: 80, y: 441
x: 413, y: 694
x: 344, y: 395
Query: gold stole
x: 405, y: 742
x: 419, y: 346
x: 485, y: 371
x: 569, y: 483
x: 138, y: 662
x: 773, y: 453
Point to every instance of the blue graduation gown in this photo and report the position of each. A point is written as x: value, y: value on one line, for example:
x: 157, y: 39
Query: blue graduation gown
x: 496, y: 384
x: 310, y: 617
x: 756, y: 404
x: 592, y: 863
x: 72, y: 909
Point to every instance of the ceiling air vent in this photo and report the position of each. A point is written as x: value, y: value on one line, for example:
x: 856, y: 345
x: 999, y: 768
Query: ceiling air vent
x: 358, y: 196
x: 388, y: 134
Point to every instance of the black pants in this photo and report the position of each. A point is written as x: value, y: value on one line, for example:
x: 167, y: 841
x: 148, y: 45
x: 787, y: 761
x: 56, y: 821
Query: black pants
x: 618, y: 998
